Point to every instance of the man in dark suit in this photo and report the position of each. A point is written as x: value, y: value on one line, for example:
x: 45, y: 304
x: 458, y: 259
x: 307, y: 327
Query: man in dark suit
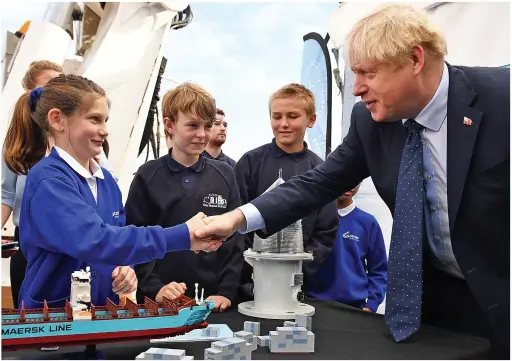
x: 435, y: 139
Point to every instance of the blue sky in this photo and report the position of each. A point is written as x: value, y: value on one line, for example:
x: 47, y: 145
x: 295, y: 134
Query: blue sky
x: 239, y: 52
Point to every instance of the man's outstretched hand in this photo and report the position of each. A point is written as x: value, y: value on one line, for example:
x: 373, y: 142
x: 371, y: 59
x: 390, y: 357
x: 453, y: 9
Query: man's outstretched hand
x: 207, y: 244
x: 221, y: 227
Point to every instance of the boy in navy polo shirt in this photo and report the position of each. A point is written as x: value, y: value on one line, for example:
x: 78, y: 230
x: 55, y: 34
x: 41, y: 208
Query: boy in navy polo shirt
x: 355, y: 273
x: 292, y: 111
x: 166, y: 190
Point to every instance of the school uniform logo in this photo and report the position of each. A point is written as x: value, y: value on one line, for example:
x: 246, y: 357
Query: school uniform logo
x: 214, y: 200
x: 115, y: 214
x: 347, y: 235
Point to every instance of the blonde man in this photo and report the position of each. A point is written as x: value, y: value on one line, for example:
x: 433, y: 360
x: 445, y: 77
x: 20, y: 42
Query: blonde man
x: 292, y: 112
x: 435, y: 138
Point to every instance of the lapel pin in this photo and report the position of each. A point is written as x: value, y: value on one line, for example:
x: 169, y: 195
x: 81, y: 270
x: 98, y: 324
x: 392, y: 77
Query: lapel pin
x: 467, y: 121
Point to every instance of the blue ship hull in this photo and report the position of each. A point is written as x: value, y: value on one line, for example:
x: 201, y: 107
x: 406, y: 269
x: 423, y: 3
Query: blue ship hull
x: 102, y: 329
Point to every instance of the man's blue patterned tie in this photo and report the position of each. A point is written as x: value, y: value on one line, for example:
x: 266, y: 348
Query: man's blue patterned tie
x: 403, y: 298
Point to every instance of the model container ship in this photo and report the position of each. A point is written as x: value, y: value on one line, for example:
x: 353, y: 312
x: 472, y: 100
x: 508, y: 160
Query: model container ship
x: 80, y: 322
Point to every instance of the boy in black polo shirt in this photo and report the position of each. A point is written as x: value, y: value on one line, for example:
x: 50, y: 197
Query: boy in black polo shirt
x: 166, y: 191
x: 292, y: 111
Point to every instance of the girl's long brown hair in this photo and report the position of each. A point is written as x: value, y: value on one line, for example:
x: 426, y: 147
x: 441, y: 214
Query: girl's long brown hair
x: 26, y: 142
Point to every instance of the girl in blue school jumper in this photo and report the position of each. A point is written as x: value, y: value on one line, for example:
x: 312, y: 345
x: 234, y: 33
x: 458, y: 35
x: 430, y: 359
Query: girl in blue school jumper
x: 355, y: 273
x: 72, y: 214
x: 13, y: 184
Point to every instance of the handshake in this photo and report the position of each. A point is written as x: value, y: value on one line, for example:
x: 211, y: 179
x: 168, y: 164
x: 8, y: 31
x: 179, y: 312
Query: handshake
x: 208, y: 233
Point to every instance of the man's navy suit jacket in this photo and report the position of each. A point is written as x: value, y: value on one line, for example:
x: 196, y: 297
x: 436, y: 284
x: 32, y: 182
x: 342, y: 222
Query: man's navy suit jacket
x: 478, y: 173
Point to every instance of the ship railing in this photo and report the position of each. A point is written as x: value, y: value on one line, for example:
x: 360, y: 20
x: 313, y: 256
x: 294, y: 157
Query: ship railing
x: 131, y: 309
x: 148, y: 313
x: 32, y: 311
x: 35, y: 320
x: 10, y: 321
x: 110, y: 310
x: 21, y: 312
x: 57, y: 310
x: 173, y: 306
x: 126, y: 315
x: 104, y: 308
x: 28, y: 311
x: 9, y: 311
x: 15, y: 311
x: 48, y: 314
x: 106, y: 316
x: 130, y: 314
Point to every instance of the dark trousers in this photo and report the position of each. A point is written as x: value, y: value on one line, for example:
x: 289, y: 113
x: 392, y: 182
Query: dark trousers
x: 449, y: 303
x: 17, y: 270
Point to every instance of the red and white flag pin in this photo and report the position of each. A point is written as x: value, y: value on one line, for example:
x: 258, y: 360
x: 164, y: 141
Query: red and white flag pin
x: 467, y: 121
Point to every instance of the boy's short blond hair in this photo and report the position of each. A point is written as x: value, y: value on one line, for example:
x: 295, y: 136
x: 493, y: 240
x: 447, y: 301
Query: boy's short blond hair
x: 191, y: 100
x: 299, y: 91
x: 35, y: 69
x: 390, y: 33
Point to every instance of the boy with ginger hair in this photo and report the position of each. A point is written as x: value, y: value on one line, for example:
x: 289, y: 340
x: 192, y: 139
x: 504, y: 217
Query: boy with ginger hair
x: 183, y: 182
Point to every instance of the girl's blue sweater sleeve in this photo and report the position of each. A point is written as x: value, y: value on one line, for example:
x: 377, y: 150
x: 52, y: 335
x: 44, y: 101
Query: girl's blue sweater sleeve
x: 61, y: 221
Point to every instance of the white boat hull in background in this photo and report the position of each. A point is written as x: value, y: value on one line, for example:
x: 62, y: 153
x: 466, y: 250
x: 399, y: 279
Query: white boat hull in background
x: 43, y: 40
x: 125, y: 63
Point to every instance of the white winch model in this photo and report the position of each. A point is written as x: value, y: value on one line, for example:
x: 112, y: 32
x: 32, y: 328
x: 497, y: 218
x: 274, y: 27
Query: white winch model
x: 81, y: 294
x: 277, y: 273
